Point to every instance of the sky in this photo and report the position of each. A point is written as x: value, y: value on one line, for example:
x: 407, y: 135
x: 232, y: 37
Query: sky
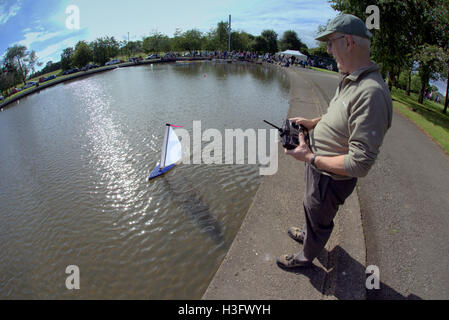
x: 41, y: 25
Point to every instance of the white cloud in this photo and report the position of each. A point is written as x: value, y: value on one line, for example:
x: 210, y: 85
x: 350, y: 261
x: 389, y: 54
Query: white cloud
x: 48, y: 52
x: 32, y: 37
x: 8, y: 13
x: 304, y: 17
x: 53, y: 52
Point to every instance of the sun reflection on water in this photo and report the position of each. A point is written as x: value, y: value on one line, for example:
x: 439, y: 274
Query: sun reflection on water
x: 112, y: 154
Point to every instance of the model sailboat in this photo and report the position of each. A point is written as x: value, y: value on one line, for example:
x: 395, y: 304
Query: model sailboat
x: 171, y: 153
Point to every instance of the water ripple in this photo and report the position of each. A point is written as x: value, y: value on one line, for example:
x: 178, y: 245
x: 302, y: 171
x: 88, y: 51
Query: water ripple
x: 74, y: 190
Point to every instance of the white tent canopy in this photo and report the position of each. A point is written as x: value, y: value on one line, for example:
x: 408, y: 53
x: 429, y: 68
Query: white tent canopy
x: 295, y: 53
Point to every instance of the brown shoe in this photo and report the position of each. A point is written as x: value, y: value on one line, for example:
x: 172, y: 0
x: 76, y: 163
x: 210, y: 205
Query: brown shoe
x: 296, y: 234
x: 288, y: 261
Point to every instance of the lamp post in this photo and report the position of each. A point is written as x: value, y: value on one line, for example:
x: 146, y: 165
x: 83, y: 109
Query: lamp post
x: 229, y: 34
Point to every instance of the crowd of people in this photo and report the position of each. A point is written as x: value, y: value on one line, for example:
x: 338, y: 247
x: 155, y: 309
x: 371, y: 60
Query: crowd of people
x: 277, y: 59
x: 429, y: 95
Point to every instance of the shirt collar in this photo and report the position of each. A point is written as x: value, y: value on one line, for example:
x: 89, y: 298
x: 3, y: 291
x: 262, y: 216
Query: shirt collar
x: 364, y: 70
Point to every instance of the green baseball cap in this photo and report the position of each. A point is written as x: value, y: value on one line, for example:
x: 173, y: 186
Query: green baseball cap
x: 347, y: 24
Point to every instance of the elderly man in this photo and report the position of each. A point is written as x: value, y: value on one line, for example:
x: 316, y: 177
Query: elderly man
x: 345, y: 141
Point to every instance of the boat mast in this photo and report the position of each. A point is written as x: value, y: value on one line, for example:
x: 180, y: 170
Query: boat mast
x: 164, y: 147
x: 229, y: 34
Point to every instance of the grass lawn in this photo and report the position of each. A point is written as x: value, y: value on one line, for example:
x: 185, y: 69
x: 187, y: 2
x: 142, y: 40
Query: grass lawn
x: 135, y: 55
x: 427, y: 116
x: 323, y: 70
x: 56, y: 73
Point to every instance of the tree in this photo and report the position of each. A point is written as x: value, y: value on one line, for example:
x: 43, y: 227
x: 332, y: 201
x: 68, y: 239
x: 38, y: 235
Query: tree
x: 440, y: 22
x: 49, y: 67
x: 409, y: 81
x: 6, y: 80
x: 405, y: 25
x: 290, y: 41
x: 15, y: 58
x: 271, y: 38
x: 217, y: 38
x: 192, y: 40
x: 131, y: 48
x: 241, y: 41
x: 12, y: 72
x: 176, y: 42
x: 102, y: 49
x: 431, y: 61
x: 32, y: 61
x: 20, y: 62
x: 320, y: 51
x: 112, y: 46
x: 246, y: 40
x: 221, y: 36
x: 260, y: 45
x: 66, y: 58
x: 236, y: 41
x: 82, y: 55
x: 157, y: 42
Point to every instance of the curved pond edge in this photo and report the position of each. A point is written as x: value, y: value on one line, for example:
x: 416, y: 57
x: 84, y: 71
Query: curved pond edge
x: 83, y: 74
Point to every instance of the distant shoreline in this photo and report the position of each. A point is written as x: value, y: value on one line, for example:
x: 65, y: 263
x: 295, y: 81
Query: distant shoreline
x: 92, y: 71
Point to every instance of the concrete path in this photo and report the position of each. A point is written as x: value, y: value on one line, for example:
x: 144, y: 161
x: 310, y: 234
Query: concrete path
x: 404, y: 209
x: 249, y: 271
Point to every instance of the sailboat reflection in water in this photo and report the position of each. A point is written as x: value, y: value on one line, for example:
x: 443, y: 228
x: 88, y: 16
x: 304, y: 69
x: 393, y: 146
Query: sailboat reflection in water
x: 188, y: 201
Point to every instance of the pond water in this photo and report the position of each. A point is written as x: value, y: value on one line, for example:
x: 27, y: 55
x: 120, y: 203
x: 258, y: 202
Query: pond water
x: 74, y: 163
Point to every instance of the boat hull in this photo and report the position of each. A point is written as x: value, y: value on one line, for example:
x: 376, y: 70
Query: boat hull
x: 157, y: 171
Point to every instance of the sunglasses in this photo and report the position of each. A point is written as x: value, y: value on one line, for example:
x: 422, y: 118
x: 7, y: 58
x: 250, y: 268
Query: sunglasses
x: 329, y: 42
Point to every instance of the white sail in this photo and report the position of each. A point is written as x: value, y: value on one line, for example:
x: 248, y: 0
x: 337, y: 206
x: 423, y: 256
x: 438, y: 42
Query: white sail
x: 171, y: 148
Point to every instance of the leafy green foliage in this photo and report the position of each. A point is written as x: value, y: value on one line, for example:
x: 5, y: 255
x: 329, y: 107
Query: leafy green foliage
x: 82, y: 55
x: 103, y: 49
x: 66, y: 58
x: 290, y: 41
x: 157, y: 42
x: 320, y: 51
x: 271, y: 40
x: 16, y: 59
x: 409, y: 32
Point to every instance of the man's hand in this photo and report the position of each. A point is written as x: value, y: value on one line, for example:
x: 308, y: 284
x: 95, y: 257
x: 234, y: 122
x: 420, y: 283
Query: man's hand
x: 308, y: 123
x: 301, y: 152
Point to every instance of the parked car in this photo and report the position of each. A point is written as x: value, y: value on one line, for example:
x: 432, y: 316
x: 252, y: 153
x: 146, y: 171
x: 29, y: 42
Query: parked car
x: 187, y: 54
x: 89, y: 66
x: 43, y: 79
x: 152, y: 56
x: 115, y: 61
x: 169, y: 57
x: 135, y: 59
x: 29, y: 85
x: 70, y: 71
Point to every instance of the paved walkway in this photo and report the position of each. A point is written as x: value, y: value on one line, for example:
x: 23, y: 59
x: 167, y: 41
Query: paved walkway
x: 249, y: 271
x: 405, y: 209
x: 402, y: 204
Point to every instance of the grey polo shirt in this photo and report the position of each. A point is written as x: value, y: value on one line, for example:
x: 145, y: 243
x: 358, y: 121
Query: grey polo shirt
x: 356, y: 122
